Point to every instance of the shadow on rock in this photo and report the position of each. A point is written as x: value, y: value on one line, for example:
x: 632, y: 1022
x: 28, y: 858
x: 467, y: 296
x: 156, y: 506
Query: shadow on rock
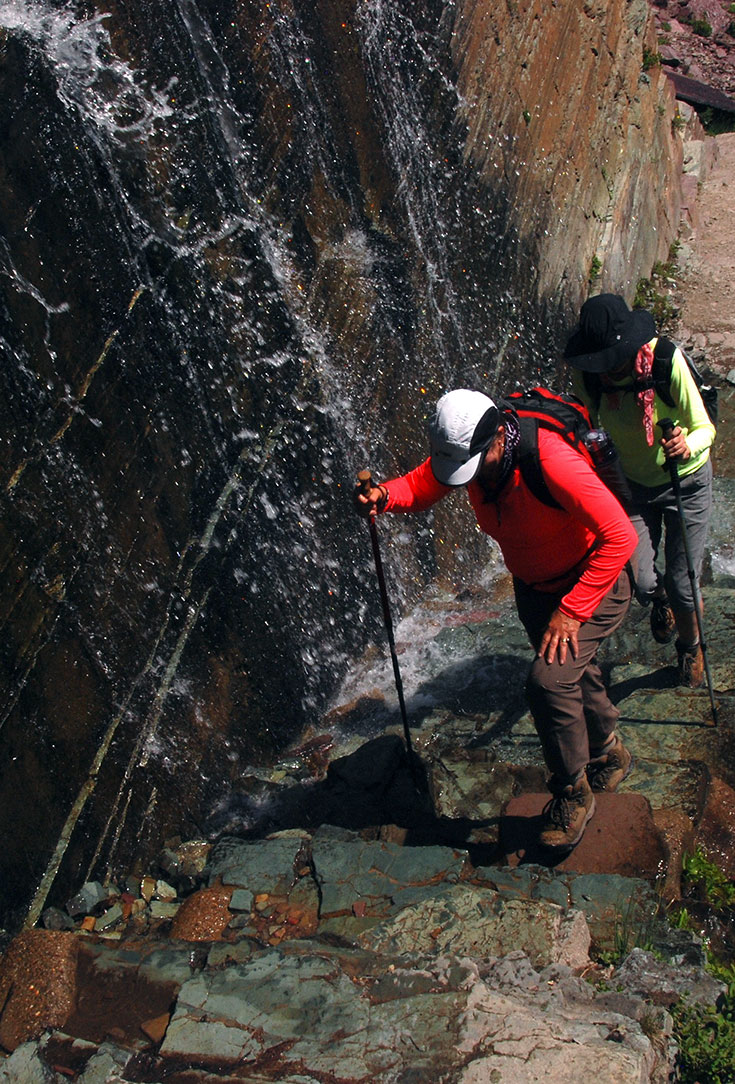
x: 664, y: 678
x: 520, y: 837
x: 481, y: 687
x: 379, y: 784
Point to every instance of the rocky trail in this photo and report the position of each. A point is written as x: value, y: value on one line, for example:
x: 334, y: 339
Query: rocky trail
x: 345, y: 926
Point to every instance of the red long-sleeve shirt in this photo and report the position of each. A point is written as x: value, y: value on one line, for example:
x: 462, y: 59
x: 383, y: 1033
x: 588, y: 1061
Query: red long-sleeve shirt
x: 581, y: 546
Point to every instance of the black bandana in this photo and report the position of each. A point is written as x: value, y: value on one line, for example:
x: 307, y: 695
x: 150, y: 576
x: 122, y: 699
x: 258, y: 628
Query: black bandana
x: 512, y: 440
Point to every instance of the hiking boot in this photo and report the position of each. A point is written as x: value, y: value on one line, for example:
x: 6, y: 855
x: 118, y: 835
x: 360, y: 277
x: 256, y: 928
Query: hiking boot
x: 565, y: 817
x: 663, y: 624
x: 607, y: 771
x: 691, y: 665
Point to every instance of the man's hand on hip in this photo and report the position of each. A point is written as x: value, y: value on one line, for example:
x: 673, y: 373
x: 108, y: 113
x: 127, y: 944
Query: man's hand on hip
x: 560, y: 635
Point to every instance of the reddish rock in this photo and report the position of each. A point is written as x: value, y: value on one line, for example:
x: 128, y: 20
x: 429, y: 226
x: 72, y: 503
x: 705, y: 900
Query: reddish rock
x: 621, y: 838
x: 204, y: 916
x: 120, y: 991
x: 677, y: 834
x: 37, y: 984
x: 716, y: 829
x: 156, y: 1029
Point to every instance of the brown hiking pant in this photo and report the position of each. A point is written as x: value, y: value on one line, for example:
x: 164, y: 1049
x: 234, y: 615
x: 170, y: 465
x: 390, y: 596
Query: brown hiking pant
x: 569, y: 703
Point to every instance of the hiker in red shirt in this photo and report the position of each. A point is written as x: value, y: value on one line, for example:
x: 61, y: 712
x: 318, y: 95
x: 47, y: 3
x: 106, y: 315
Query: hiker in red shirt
x: 571, y: 585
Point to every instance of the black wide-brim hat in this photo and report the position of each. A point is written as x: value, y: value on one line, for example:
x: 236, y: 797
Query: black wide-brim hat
x: 608, y: 334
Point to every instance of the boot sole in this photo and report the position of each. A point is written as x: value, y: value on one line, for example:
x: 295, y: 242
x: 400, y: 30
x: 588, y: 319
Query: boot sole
x: 558, y: 848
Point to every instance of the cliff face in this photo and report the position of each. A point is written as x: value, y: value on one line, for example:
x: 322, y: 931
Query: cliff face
x: 567, y: 118
x: 243, y: 246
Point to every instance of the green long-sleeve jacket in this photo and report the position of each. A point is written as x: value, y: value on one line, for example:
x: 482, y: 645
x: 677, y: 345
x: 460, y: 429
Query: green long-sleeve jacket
x: 641, y: 463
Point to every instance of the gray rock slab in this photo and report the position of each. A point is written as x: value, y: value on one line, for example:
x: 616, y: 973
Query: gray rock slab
x: 619, y: 910
x: 476, y: 789
x: 662, y: 983
x: 26, y: 1065
x: 241, y: 900
x: 263, y: 865
x: 465, y: 920
x: 675, y: 708
x: 87, y: 898
x: 378, y: 873
x: 312, y: 1014
x: 107, y: 1064
x: 520, y: 1042
x: 155, y: 962
x: 681, y: 785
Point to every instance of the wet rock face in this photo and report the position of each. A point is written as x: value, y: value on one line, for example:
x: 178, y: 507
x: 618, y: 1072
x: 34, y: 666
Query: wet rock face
x: 225, y: 231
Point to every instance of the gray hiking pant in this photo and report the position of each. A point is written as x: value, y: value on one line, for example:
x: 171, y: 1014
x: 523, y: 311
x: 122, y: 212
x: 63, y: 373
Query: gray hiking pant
x: 655, y: 509
x: 571, y: 709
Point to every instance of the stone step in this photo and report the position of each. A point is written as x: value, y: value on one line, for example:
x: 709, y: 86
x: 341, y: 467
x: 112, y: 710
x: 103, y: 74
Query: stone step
x: 621, y: 838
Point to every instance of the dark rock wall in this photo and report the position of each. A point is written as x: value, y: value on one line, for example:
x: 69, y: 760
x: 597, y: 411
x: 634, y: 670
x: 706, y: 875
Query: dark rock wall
x: 244, y: 247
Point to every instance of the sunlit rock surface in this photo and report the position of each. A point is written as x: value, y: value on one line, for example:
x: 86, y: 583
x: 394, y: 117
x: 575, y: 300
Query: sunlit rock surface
x: 420, y: 966
x: 243, y: 247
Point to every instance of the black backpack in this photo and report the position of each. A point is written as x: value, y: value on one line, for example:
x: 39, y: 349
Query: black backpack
x: 663, y: 357
x: 539, y: 408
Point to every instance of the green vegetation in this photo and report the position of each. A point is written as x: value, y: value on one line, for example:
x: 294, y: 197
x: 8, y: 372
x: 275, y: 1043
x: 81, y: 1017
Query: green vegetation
x: 706, y: 1034
x: 678, y: 122
x: 706, y: 1040
x: 594, y: 271
x: 526, y: 116
x: 651, y: 59
x: 702, y: 877
x: 661, y: 306
x: 634, y: 928
x: 716, y: 121
x: 680, y: 919
x: 649, y: 294
x: 702, y: 27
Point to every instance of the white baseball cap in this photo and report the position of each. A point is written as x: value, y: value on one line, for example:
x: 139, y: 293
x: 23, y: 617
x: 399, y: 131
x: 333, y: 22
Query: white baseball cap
x: 458, y: 440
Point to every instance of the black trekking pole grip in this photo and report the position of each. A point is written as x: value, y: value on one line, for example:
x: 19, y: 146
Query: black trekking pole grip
x: 667, y: 429
x: 365, y: 483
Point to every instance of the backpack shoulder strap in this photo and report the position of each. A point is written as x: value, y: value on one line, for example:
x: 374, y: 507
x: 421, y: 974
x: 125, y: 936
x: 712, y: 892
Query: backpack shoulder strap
x: 529, y: 463
x: 663, y: 359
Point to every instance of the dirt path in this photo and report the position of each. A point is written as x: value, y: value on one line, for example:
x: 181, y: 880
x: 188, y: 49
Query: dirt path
x: 708, y: 283
x: 706, y: 290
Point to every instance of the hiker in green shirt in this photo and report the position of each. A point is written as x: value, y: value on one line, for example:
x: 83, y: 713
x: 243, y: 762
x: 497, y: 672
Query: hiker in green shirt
x: 614, y: 354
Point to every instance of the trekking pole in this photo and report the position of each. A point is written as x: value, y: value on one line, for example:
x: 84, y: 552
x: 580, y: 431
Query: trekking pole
x: 365, y: 481
x: 667, y: 427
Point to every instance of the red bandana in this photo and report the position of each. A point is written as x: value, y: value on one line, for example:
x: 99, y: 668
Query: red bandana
x: 641, y: 373
x: 642, y: 369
